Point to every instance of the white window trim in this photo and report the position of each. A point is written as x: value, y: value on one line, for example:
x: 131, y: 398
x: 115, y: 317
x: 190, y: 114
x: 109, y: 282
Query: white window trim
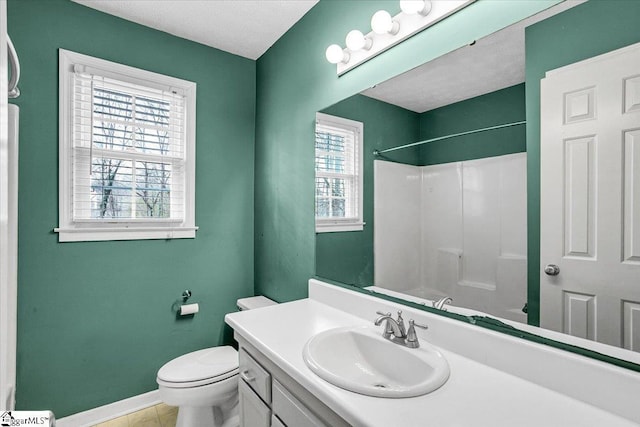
x: 333, y: 225
x: 81, y: 231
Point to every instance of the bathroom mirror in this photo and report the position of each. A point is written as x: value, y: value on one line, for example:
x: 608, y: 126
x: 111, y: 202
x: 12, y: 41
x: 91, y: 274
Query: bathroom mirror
x: 476, y: 87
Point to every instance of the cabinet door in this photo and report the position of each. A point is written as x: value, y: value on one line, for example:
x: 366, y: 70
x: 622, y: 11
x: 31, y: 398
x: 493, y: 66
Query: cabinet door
x: 290, y: 410
x: 253, y: 411
x: 275, y: 422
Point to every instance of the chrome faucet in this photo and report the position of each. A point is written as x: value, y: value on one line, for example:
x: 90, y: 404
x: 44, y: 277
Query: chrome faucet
x: 394, y: 330
x: 441, y: 303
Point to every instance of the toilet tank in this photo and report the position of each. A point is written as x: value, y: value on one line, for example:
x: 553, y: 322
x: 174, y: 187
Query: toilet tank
x: 254, y: 302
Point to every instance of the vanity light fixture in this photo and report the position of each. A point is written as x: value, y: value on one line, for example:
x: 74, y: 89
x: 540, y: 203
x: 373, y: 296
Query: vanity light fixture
x: 336, y: 55
x: 411, y: 7
x: 388, y: 31
x: 383, y: 23
x: 357, y: 41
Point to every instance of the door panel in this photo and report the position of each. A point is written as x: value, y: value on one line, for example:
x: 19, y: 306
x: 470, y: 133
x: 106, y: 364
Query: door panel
x: 632, y: 196
x: 580, y: 206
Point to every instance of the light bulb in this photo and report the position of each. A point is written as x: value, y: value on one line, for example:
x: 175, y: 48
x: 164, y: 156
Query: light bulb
x: 356, y: 40
x: 335, y: 54
x: 411, y: 7
x: 383, y: 23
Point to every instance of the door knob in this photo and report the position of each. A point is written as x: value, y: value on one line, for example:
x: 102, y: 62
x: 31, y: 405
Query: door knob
x: 551, y: 270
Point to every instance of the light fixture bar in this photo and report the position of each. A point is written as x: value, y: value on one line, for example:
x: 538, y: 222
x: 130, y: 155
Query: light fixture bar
x: 409, y: 25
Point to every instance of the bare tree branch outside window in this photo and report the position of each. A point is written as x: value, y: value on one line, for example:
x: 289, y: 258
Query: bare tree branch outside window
x: 123, y: 183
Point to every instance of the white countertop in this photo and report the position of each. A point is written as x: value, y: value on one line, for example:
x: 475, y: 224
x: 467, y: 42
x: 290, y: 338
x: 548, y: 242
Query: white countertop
x: 475, y: 395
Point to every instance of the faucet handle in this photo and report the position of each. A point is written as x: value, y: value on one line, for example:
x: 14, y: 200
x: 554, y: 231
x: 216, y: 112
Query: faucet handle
x: 400, y: 323
x: 412, y: 338
x: 419, y: 325
x: 383, y: 314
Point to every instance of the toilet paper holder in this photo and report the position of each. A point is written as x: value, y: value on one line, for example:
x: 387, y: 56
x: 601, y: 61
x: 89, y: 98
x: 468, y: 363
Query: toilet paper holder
x: 182, y: 309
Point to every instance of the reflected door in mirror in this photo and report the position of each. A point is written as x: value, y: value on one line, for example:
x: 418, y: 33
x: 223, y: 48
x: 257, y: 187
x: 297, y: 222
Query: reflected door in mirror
x: 590, y: 198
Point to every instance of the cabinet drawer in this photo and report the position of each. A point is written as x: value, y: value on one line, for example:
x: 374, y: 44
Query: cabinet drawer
x: 290, y: 410
x: 255, y: 376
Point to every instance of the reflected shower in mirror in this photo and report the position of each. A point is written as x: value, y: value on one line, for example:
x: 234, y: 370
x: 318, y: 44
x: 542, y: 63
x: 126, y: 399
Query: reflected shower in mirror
x: 460, y: 217
x: 463, y: 224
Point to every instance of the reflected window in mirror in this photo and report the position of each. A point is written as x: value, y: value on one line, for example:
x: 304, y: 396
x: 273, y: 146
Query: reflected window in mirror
x: 338, y: 166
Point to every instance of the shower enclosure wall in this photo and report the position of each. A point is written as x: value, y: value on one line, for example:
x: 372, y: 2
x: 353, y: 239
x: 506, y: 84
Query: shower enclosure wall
x: 9, y: 76
x: 455, y: 229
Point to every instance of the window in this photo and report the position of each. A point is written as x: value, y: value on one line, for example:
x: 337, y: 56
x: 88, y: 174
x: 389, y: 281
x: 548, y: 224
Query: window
x: 127, y: 152
x: 338, y: 174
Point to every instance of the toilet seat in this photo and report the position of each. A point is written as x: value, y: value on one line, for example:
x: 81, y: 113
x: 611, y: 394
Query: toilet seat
x: 199, y: 368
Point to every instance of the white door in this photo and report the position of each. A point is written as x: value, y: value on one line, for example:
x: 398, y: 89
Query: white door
x: 590, y: 199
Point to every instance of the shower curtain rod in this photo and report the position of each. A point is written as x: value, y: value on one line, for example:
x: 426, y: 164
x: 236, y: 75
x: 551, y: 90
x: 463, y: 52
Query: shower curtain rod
x: 440, y: 138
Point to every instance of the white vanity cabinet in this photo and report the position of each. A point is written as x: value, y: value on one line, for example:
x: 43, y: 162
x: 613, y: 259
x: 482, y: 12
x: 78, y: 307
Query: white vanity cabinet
x: 269, y: 397
x: 491, y: 382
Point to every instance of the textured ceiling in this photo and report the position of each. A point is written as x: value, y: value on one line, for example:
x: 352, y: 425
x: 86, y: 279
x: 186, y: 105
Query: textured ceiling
x: 492, y: 63
x: 242, y: 27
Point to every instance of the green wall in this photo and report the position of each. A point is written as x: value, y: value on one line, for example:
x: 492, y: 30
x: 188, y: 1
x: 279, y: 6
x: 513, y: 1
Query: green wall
x: 95, y: 320
x: 348, y: 256
x: 294, y: 81
x: 591, y: 29
x: 495, y: 108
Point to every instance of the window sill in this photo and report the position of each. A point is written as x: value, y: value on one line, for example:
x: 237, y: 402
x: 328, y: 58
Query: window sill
x: 98, y: 234
x: 337, y: 227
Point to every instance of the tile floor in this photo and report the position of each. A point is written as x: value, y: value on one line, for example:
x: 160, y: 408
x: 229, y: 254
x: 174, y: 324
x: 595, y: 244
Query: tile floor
x: 155, y: 416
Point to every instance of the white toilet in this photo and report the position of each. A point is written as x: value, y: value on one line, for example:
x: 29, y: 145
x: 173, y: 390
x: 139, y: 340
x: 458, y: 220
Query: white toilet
x: 204, y: 383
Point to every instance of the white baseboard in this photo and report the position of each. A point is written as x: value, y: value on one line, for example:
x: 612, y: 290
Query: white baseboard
x: 112, y: 410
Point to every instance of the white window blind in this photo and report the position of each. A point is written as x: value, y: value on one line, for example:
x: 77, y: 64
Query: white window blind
x: 127, y: 152
x: 338, y: 183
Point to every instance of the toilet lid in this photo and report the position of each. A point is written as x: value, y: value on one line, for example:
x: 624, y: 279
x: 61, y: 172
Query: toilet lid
x: 200, y: 367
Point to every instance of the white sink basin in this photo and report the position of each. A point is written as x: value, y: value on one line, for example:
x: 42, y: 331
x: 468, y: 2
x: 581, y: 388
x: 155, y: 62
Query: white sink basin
x: 358, y: 359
